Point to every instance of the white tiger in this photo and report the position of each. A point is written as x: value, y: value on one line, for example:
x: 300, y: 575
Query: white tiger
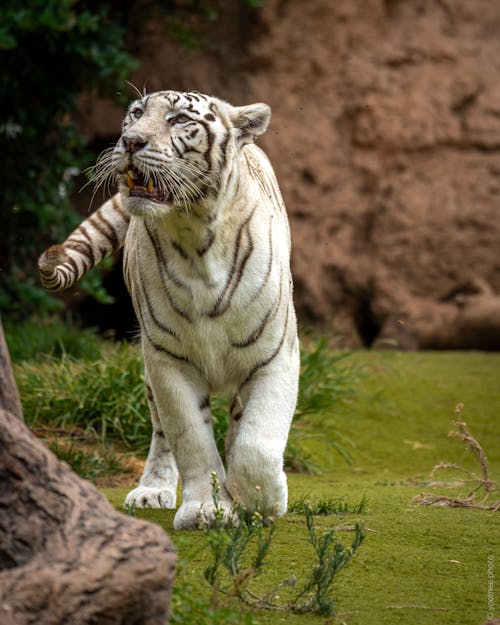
x: 207, y: 263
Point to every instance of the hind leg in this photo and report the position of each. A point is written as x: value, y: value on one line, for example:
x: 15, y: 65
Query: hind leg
x: 158, y: 485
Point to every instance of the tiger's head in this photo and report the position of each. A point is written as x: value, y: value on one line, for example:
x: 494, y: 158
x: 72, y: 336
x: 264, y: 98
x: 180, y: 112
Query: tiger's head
x: 175, y: 149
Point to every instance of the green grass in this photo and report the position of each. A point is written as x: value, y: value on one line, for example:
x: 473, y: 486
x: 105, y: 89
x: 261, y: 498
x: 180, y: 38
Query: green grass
x: 36, y: 339
x: 389, y: 413
x: 417, y: 565
x: 90, y: 465
x: 104, y: 395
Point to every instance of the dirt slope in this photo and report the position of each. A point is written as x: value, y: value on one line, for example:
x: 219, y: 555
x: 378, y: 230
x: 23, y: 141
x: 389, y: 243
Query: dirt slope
x: 385, y: 137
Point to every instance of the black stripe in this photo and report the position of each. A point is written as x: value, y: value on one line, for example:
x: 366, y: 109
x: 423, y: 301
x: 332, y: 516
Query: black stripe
x: 179, y: 153
x: 100, y: 229
x: 160, y: 324
x: 86, y: 235
x: 87, y: 251
x: 74, y: 267
x: 234, y: 275
x: 179, y: 249
x: 119, y: 209
x: 265, y: 362
x: 205, y: 403
x: 188, y: 148
x: 163, y: 350
x: 223, y: 149
x: 113, y: 234
x: 162, y: 267
x: 162, y: 261
x: 207, y: 244
x: 210, y: 140
x: 269, y: 316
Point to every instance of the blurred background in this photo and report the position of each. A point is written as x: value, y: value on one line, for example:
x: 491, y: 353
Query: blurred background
x: 385, y: 137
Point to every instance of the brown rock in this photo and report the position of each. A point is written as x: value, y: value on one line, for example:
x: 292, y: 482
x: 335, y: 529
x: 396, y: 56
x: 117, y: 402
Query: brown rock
x: 66, y: 556
x: 385, y: 137
x: 9, y: 397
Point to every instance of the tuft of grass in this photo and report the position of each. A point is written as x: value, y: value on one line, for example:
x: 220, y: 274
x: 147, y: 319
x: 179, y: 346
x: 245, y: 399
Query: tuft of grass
x: 187, y: 607
x: 332, y: 506
x: 327, y: 378
x: 38, y: 338
x: 87, y: 464
x: 105, y: 398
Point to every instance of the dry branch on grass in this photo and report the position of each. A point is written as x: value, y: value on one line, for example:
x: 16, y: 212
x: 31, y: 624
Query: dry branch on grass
x: 482, y: 485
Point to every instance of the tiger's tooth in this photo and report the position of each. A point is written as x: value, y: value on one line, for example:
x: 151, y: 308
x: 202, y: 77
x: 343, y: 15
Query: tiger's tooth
x: 130, y: 182
x: 150, y: 185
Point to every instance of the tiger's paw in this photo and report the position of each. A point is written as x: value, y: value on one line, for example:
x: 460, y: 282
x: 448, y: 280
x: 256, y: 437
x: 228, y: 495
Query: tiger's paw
x: 148, y: 497
x: 193, y: 515
x: 52, y: 257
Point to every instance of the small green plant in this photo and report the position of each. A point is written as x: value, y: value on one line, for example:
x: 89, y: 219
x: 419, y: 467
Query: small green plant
x: 239, y: 547
x: 188, y: 608
x: 334, y: 506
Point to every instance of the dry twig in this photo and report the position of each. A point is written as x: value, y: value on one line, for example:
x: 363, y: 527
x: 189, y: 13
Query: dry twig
x: 482, y: 484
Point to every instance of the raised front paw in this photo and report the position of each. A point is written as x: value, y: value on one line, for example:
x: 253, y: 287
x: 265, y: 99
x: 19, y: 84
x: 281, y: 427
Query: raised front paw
x: 52, y: 257
x: 147, y: 497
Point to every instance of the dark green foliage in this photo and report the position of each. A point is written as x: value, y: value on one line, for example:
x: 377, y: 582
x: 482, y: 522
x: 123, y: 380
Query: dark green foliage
x: 187, y: 607
x: 332, y: 556
x: 50, y: 51
x: 325, y: 379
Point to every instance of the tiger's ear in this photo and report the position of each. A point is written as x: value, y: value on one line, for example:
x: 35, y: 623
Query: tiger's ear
x: 251, y: 121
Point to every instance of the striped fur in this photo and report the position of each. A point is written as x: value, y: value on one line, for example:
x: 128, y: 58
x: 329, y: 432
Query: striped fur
x: 207, y: 263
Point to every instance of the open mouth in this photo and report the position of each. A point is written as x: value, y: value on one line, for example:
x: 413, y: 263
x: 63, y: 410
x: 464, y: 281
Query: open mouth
x: 142, y: 185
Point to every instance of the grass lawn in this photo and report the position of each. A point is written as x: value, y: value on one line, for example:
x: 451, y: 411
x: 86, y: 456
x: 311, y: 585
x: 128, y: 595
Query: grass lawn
x: 417, y: 565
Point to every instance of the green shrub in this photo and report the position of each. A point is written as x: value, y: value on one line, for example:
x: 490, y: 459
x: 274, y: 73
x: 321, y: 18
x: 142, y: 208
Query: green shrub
x: 106, y: 397
x: 50, y: 52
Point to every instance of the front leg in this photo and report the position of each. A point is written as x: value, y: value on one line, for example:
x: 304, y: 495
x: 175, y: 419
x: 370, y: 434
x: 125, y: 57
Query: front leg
x: 181, y: 397
x: 158, y: 485
x: 259, y: 425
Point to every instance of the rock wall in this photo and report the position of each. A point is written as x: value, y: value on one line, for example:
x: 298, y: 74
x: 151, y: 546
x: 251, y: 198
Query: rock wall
x: 386, y: 140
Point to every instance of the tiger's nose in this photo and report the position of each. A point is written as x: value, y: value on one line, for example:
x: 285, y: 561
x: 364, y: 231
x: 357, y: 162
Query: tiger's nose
x: 134, y: 144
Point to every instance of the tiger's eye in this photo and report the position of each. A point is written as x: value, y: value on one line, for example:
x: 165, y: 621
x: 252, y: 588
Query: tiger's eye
x: 137, y: 112
x: 179, y: 119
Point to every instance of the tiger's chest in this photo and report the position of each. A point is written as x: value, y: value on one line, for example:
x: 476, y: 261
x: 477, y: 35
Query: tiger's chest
x: 218, y: 310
